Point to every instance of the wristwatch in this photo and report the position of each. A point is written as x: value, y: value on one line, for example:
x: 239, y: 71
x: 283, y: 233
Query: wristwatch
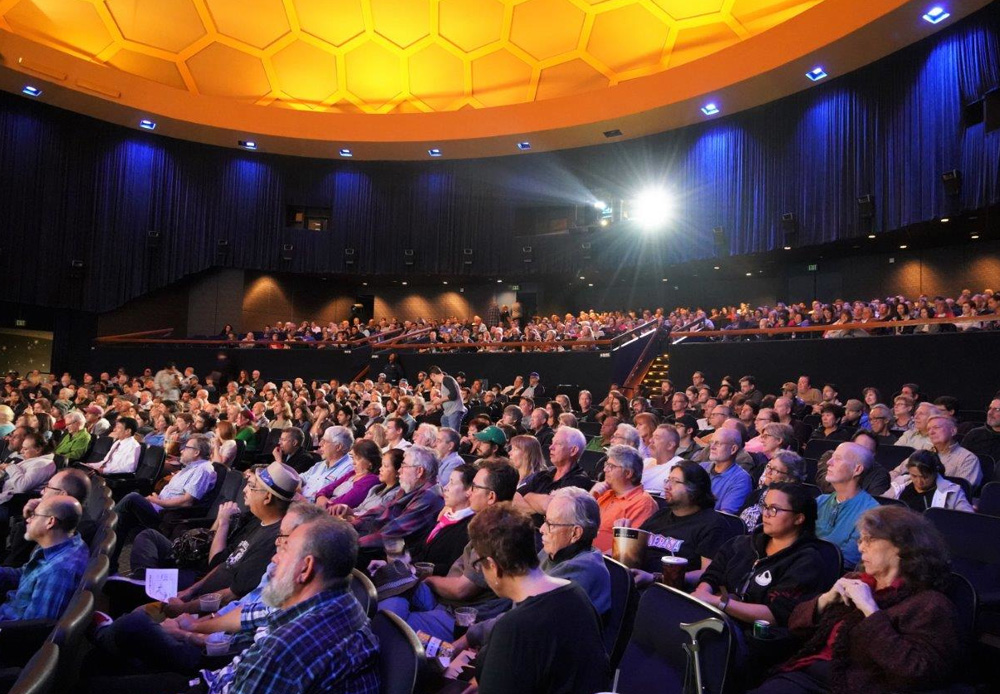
x: 723, y: 603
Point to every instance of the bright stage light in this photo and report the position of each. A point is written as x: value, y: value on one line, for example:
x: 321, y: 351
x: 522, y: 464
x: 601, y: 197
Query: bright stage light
x: 651, y: 208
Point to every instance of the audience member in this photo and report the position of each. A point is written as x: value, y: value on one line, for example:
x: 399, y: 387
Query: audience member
x: 123, y: 456
x: 924, y: 485
x: 839, y: 511
x: 730, y: 482
x: 663, y: 446
x: 621, y: 496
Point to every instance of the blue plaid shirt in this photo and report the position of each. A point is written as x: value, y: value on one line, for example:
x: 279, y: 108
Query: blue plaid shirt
x: 42, y: 588
x: 323, y: 645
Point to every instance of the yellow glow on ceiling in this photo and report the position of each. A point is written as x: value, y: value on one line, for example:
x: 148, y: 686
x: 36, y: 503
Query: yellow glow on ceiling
x: 392, y: 56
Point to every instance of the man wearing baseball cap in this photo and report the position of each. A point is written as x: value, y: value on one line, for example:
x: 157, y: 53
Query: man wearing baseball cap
x: 491, y: 442
x: 534, y: 389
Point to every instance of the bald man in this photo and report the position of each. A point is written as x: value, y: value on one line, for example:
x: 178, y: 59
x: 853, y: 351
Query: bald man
x: 731, y: 484
x: 839, y: 511
x: 42, y: 588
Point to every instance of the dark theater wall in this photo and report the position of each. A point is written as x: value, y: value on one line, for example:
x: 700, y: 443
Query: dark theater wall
x: 88, y: 191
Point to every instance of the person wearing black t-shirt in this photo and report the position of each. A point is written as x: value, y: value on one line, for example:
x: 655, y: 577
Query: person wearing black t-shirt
x: 567, y: 446
x: 550, y: 642
x: 689, y: 527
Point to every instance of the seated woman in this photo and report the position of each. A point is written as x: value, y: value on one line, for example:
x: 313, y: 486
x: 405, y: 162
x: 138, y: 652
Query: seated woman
x: 352, y: 488
x: 550, y: 642
x: 526, y: 457
x: 829, y: 428
x: 924, y: 485
x: 224, y: 446
x: 766, y: 574
x: 448, y: 537
x: 888, y: 629
x: 783, y: 466
x: 382, y: 493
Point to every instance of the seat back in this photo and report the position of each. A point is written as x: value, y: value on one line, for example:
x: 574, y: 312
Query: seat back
x: 364, y: 590
x: 655, y: 659
x: 97, y: 572
x: 733, y: 525
x: 68, y: 635
x: 817, y: 447
x: 592, y: 463
x: 60, y: 461
x: 813, y: 489
x: 963, y: 597
x: 890, y: 457
x: 400, y: 653
x: 618, y: 624
x: 39, y: 675
x: 150, y: 463
x: 888, y: 501
x: 989, y: 499
x: 971, y: 540
x: 833, y: 562
x: 988, y: 466
x: 99, y: 448
x: 269, y: 442
x: 590, y: 428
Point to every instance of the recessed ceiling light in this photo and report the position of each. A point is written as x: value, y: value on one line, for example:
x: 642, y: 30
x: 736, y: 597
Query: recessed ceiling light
x: 749, y: 274
x: 710, y: 109
x: 582, y: 277
x: 345, y: 152
x: 604, y: 222
x: 403, y: 283
x: 717, y: 267
x: 612, y: 133
x: 147, y: 124
x: 364, y: 284
x: 499, y: 281
x: 936, y: 14
x: 902, y: 247
x: 665, y: 280
x: 248, y: 144
x: 445, y: 282
x: 523, y: 146
x: 590, y: 284
x: 434, y: 152
x: 871, y: 236
x: 816, y: 74
x: 975, y: 236
x: 788, y: 248
x: 28, y: 90
x: 945, y: 220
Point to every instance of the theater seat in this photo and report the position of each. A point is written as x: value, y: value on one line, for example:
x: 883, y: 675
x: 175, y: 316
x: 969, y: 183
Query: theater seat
x: 365, y: 592
x: 39, y: 675
x: 618, y: 624
x: 400, y: 653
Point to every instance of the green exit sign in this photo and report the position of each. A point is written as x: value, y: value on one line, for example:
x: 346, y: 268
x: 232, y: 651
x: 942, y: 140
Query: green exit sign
x: 515, y: 287
x: 812, y: 268
x: 20, y: 323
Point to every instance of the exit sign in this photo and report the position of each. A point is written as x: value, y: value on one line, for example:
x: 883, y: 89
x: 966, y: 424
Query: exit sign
x: 20, y: 323
x: 812, y: 268
x: 515, y: 287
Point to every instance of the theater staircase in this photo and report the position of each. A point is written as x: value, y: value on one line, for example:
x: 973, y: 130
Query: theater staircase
x: 659, y: 369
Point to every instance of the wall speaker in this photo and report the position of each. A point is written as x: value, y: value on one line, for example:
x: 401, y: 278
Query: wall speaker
x: 349, y: 257
x: 287, y: 251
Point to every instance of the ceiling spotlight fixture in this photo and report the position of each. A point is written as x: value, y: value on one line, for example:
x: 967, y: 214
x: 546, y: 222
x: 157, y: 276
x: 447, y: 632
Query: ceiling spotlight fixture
x: 499, y: 281
x: 604, y: 222
x: 523, y: 146
x: 651, y: 208
x: 345, y: 152
x: 975, y: 236
x: 816, y: 74
x: 871, y: 236
x: 665, y: 280
x: 902, y: 247
x: 600, y: 205
x: 590, y: 284
x: 248, y: 144
x: 28, y: 90
x: 582, y: 277
x: 945, y: 220
x: 445, y: 282
x: 612, y: 133
x: 403, y: 283
x: 434, y: 152
x: 936, y: 15
x: 147, y: 124
x: 710, y: 109
x: 788, y: 248
x: 749, y: 274
x: 717, y: 267
x: 365, y: 284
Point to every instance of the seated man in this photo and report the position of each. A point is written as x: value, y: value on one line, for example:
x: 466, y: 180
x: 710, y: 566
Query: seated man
x: 839, y: 511
x: 430, y: 607
x: 917, y: 437
x: 74, y: 444
x: 185, y: 489
x: 320, y: 638
x: 730, y: 482
x: 689, y: 527
x: 608, y: 428
x: 237, y: 557
x: 27, y: 475
x: 335, y: 449
x: 621, y: 495
x: 957, y: 461
x: 290, y: 452
x: 42, y: 588
x: 413, y: 514
x: 663, y: 445
x: 123, y: 457
x: 74, y: 483
x: 567, y: 446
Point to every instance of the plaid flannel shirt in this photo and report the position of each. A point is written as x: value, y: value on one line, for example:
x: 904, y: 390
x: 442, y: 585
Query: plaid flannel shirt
x: 407, y: 516
x: 42, y: 588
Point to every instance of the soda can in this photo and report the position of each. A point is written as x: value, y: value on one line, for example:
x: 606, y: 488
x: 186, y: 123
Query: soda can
x: 761, y: 629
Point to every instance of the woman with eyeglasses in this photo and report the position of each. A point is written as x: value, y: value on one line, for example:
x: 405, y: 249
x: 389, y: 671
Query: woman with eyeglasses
x: 550, y: 642
x: 764, y: 575
x: 782, y: 466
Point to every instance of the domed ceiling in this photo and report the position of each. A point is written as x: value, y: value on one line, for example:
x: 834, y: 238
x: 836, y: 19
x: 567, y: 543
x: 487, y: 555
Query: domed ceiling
x: 350, y: 71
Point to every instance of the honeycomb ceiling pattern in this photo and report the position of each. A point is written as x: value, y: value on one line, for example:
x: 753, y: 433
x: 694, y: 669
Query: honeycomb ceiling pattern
x: 392, y: 56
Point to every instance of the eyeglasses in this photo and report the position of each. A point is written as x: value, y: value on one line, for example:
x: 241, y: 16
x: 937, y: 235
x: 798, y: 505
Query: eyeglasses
x: 612, y: 465
x: 771, y: 510
x: 775, y: 471
x: 479, y: 486
x: 54, y: 489
x: 405, y: 465
x: 551, y: 525
x: 33, y: 514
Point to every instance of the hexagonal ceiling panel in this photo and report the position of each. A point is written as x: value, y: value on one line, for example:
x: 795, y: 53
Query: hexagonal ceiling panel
x: 380, y: 56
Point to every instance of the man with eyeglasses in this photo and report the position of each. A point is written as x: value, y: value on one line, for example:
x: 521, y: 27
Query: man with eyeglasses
x: 730, y: 482
x: 185, y: 489
x: 430, y: 607
x: 564, y: 454
x: 71, y: 482
x: 985, y: 440
x: 42, y: 588
x: 879, y: 419
x: 621, y: 495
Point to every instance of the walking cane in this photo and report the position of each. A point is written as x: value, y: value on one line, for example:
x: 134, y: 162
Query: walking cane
x: 694, y: 663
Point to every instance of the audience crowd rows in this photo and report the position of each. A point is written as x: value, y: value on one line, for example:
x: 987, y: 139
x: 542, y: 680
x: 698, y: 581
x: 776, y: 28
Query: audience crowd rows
x: 483, y: 516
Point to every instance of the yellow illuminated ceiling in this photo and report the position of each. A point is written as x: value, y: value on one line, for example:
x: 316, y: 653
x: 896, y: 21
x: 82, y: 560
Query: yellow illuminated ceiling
x: 393, y: 56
